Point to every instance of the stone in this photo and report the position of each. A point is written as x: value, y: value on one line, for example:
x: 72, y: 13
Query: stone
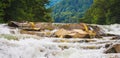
x: 61, y: 33
x: 75, y: 33
x: 32, y: 29
x: 80, y: 30
x: 44, y: 26
x: 27, y: 32
x: 13, y: 24
x: 70, y: 26
x: 117, y: 48
x: 18, y: 24
x: 114, y: 48
x: 78, y: 33
x: 38, y: 33
x: 116, y: 37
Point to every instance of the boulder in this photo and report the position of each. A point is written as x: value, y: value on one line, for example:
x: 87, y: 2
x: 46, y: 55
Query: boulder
x: 114, y: 48
x: 77, y: 33
x: 64, y: 30
x: 13, y: 24
x: 27, y: 32
x: 32, y: 29
x: 97, y: 30
x: 44, y: 26
x: 18, y: 24
x: 117, y: 48
x: 38, y: 33
x: 61, y: 33
x: 73, y: 26
x: 31, y: 26
x: 116, y: 37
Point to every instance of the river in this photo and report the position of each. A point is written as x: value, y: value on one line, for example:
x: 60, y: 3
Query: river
x: 31, y: 46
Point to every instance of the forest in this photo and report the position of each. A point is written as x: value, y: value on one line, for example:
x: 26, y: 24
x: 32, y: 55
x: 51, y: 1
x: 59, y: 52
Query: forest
x: 24, y: 10
x: 66, y: 11
x: 70, y: 11
x: 103, y: 12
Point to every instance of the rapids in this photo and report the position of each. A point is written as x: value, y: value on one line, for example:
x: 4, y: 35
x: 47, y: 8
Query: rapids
x: 31, y: 46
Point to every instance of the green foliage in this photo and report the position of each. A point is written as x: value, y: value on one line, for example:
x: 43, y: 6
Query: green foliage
x: 24, y: 10
x: 1, y: 11
x: 70, y: 10
x: 103, y: 12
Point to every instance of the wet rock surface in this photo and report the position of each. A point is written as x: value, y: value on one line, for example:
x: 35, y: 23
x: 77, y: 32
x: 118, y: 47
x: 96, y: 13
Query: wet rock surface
x: 81, y: 30
x: 113, y: 48
x: 44, y: 43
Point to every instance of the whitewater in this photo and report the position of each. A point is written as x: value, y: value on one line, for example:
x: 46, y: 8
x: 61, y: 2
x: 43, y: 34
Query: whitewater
x: 31, y: 46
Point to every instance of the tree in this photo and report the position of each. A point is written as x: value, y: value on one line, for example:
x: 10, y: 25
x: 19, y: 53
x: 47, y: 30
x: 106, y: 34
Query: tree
x: 103, y: 12
x: 29, y: 10
x: 1, y: 11
x: 69, y: 11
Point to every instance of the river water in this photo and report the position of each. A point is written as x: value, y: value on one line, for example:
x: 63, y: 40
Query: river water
x: 31, y: 46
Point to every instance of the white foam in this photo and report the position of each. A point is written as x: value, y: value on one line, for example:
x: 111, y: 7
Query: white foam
x: 111, y: 29
x: 31, y: 47
x: 4, y: 30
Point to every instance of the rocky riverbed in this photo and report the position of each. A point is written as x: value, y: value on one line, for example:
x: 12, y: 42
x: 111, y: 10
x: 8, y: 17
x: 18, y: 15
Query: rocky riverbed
x: 14, y: 44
